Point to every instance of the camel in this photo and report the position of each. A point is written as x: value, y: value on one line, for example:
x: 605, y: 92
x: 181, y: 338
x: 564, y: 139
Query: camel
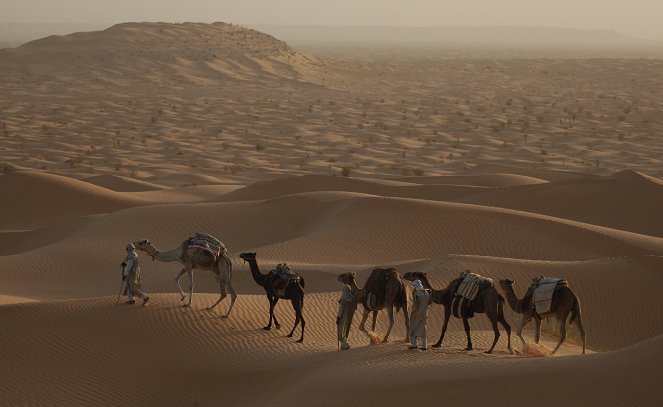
x: 195, y: 258
x: 293, y: 292
x: 389, y: 291
x: 564, y: 302
x: 488, y: 301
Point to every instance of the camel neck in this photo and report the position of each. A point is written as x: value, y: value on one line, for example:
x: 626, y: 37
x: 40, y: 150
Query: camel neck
x: 172, y: 255
x: 425, y: 283
x: 354, y: 288
x: 511, y: 298
x: 258, y: 277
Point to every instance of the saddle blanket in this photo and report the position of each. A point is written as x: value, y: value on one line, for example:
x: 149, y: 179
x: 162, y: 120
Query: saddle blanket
x: 544, y: 287
x: 461, y: 307
x: 471, y: 283
x: 209, y: 243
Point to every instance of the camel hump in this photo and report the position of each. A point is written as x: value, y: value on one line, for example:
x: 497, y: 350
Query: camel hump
x: 384, y: 273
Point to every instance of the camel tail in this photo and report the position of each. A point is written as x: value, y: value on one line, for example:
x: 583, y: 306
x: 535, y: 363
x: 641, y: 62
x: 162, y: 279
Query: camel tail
x: 575, y: 312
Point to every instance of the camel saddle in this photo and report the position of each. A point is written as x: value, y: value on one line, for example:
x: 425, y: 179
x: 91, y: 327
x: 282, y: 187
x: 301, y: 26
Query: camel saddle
x: 467, y: 287
x: 284, y: 276
x: 542, y: 290
x: 469, y: 284
x: 209, y: 243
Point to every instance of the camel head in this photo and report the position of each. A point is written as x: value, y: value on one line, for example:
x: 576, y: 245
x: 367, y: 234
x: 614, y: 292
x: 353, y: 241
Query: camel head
x: 414, y: 275
x: 145, y: 246
x: 506, y: 283
x: 247, y: 256
x: 346, y: 278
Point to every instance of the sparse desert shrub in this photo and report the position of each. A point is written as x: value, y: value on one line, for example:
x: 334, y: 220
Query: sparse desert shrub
x: 345, y: 171
x: 259, y: 147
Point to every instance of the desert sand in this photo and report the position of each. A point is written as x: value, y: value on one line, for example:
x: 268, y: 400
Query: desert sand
x: 511, y: 168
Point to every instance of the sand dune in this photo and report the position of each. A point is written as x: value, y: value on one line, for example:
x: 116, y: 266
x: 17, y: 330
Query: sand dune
x: 509, y: 168
x: 169, y: 356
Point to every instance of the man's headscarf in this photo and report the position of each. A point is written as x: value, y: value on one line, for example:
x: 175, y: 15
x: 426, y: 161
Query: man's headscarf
x: 417, y: 285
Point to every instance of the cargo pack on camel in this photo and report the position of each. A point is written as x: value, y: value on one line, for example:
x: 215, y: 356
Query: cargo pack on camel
x: 283, y: 276
x: 467, y: 287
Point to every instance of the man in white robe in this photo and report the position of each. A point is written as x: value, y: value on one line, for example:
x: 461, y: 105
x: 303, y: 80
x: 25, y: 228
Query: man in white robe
x: 421, y: 300
x: 131, y: 275
x: 347, y: 305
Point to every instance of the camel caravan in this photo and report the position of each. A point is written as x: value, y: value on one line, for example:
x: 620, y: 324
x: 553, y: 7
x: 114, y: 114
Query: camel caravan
x: 384, y: 289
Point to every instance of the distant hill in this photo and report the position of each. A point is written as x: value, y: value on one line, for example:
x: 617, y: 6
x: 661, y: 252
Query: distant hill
x: 463, y: 36
x: 164, y: 53
x: 15, y: 34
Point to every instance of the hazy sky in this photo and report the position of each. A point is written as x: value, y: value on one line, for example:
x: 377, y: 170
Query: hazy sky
x: 642, y: 18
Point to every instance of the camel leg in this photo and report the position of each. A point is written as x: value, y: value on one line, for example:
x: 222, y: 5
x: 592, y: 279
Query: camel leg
x: 296, y: 322
x: 222, y: 294
x: 276, y: 322
x: 493, y: 322
x: 390, y: 312
x: 375, y: 320
x: 406, y: 317
x: 190, y: 273
x: 562, y: 333
x: 233, y: 297
x: 226, y: 283
x: 271, y: 313
x: 537, y: 330
x: 221, y: 297
x: 466, y: 325
x: 299, y: 316
x: 581, y: 329
x: 177, y: 281
x: 362, y: 324
x: 447, y: 314
x: 523, y: 323
x: 507, y: 328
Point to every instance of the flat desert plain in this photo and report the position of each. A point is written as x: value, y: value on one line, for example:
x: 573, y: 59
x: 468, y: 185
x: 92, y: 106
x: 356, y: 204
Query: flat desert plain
x: 508, y: 167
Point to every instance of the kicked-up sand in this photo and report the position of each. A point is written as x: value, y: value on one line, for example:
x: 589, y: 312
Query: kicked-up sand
x: 511, y: 168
